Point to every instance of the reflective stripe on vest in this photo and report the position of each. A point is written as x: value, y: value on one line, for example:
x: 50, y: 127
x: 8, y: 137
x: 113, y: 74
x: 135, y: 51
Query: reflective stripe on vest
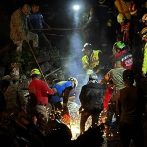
x: 123, y: 7
x: 92, y: 62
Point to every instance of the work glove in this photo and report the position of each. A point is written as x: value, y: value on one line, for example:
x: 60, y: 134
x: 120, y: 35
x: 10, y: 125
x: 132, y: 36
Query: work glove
x: 65, y: 117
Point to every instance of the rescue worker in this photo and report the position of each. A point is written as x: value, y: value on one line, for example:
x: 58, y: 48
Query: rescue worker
x: 125, y: 30
x: 116, y: 75
x: 60, y: 99
x: 122, y: 6
x: 91, y: 59
x: 91, y: 99
x: 120, y: 53
x: 19, y: 30
x: 37, y: 23
x: 105, y: 18
x: 39, y: 92
x: 89, y: 24
x: 144, y: 38
x: 15, y: 100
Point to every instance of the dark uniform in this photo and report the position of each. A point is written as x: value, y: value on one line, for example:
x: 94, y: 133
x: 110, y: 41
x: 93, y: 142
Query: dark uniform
x: 105, y: 17
x: 91, y: 98
x: 36, y: 21
x: 90, y: 24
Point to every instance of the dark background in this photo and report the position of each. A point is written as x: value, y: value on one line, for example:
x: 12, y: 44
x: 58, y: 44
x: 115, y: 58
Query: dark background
x: 57, y: 13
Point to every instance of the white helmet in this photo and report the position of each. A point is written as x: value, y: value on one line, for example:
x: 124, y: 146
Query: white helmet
x: 75, y: 81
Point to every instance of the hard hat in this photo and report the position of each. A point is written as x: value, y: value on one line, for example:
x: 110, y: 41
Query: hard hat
x: 93, y: 77
x: 133, y: 9
x: 144, y: 18
x: 87, y: 46
x: 119, y: 44
x: 27, y: 8
x: 35, y: 72
x: 75, y: 81
x: 121, y: 17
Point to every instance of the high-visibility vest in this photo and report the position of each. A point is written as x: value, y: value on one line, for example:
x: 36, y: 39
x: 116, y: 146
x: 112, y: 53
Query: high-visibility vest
x: 123, y: 7
x: 144, y: 66
x: 93, y: 61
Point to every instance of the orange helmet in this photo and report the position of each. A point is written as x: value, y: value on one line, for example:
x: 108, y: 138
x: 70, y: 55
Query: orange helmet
x: 133, y: 9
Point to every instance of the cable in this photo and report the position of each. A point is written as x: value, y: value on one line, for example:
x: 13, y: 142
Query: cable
x: 37, y: 62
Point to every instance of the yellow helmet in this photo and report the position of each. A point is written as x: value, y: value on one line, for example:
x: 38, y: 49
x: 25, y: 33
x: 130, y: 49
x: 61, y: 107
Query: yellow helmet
x: 121, y: 17
x: 35, y: 72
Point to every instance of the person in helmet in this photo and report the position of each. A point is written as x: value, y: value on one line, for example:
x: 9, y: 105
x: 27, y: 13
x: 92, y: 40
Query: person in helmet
x: 39, y: 92
x: 91, y: 99
x: 144, y: 38
x: 120, y: 53
x: 60, y: 99
x: 125, y: 27
x: 130, y: 105
x: 91, y: 59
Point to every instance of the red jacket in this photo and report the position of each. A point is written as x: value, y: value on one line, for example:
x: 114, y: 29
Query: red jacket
x: 107, y: 96
x: 126, y: 59
x: 39, y: 91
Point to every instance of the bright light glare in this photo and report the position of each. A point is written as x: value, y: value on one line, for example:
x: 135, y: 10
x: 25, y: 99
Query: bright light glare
x: 76, y: 7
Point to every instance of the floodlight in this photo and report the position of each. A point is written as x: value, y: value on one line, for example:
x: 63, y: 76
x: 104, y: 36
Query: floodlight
x: 76, y: 7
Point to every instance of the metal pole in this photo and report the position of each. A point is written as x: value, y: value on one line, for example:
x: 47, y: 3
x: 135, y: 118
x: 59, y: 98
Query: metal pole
x: 59, y: 29
x: 53, y: 71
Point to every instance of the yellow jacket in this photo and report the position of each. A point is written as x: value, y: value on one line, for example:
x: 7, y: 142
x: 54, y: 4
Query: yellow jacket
x: 123, y: 7
x: 93, y: 61
x: 144, y: 66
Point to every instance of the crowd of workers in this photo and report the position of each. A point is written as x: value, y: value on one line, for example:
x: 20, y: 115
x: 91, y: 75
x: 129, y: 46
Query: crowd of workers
x: 122, y: 98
